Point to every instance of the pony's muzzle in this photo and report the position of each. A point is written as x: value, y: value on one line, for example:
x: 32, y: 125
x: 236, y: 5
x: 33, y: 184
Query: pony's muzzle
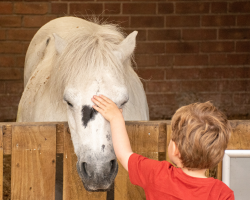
x: 97, y: 176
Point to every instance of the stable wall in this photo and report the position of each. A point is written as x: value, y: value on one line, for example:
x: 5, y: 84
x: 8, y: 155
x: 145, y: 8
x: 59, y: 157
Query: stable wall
x: 187, y: 51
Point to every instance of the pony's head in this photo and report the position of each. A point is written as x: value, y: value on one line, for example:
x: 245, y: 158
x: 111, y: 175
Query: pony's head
x: 92, y: 60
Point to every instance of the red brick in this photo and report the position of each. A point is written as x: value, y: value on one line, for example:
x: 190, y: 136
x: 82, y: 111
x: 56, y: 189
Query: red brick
x: 199, y: 34
x: 20, y: 34
x: 141, y: 36
x: 182, y: 21
x: 161, y: 99
x: 86, y: 8
x: 233, y: 85
x: 108, y: 0
x: 239, y: 7
x: 8, y: 114
x: 164, y: 35
x: 142, y: 0
x: 236, y: 112
x: 20, y: 61
x: 182, y: 73
x: 145, y: 60
x: 234, y: 33
x: 6, y: 8
x: 2, y: 34
x: 224, y: 73
x: 218, y: 59
x: 191, y: 60
x: 38, y: 0
x: 217, y: 46
x: 219, y: 7
x: 112, y: 8
x: 194, y: 7
x: 10, y: 21
x: 10, y: 74
x: 139, y: 8
x: 182, y: 47
x: 150, y: 48
x: 218, y: 20
x: 25, y: 46
x: 7, y: 61
x: 161, y: 112
x: 147, y: 21
x: 165, y: 60
x: 10, y: 100
x: 59, y: 8
x: 121, y: 20
x: 14, y: 87
x: 163, y: 86
x: 151, y: 74
x: 207, y: 73
x: 198, y: 86
x: 2, y: 88
x: 11, y: 47
x: 242, y: 98
x: 243, y: 20
x: 242, y: 46
x: 165, y: 8
x: 216, y: 98
x: 36, y: 21
x: 31, y: 8
x: 239, y: 59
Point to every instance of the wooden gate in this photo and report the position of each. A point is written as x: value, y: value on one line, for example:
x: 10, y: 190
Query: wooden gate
x: 33, y: 148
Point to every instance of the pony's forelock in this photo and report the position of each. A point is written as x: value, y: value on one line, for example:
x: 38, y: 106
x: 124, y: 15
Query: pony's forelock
x: 89, y: 49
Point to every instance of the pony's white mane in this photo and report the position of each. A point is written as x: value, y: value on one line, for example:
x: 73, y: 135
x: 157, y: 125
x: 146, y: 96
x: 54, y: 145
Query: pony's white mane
x: 88, y: 49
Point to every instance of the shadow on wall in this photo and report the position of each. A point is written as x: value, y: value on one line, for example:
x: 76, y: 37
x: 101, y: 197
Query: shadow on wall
x: 219, y: 100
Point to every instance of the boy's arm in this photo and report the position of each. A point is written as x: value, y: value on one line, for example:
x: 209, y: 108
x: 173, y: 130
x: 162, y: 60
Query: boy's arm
x: 120, y: 139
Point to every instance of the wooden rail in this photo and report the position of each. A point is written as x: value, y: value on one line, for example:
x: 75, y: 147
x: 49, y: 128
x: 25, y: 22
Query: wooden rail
x: 33, y: 148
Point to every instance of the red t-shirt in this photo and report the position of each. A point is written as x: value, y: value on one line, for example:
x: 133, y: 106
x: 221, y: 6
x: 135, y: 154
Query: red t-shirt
x: 161, y: 180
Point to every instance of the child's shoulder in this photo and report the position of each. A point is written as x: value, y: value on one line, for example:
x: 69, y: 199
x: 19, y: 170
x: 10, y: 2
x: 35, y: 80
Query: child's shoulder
x: 221, y: 185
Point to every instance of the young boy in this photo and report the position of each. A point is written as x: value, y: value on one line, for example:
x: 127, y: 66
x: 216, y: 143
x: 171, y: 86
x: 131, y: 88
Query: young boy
x: 200, y: 133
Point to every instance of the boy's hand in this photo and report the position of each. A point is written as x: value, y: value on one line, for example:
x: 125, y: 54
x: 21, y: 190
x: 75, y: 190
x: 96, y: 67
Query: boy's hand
x: 106, y: 107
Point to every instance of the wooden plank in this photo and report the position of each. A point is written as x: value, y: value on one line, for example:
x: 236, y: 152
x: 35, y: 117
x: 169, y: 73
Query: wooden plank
x: 7, y: 140
x: 169, y: 132
x: 240, y: 137
x: 59, y: 137
x: 33, y: 162
x: 7, y: 131
x: 1, y: 163
x: 219, y: 171
x: 72, y: 185
x: 146, y: 138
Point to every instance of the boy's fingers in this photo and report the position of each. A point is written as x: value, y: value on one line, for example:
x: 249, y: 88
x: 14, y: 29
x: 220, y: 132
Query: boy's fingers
x: 106, y: 98
x: 102, y: 101
x: 120, y: 110
x: 97, y: 102
x: 97, y: 108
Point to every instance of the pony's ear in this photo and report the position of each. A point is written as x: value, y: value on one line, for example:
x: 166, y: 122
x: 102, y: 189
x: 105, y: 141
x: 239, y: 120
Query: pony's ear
x: 126, y: 47
x: 60, y: 43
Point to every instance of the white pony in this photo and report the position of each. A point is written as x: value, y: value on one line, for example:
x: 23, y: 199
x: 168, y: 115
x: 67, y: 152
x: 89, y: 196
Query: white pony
x: 68, y: 61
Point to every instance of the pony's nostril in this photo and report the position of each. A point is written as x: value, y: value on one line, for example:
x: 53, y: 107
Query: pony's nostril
x: 84, y: 169
x: 113, y: 165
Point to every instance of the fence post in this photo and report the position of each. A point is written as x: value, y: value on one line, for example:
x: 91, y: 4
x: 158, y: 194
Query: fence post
x: 33, y: 162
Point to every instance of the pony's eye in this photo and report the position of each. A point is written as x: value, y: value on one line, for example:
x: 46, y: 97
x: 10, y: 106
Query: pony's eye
x: 69, y: 104
x: 124, y: 103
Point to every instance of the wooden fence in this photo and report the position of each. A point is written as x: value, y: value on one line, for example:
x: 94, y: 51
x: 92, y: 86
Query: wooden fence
x: 33, y: 148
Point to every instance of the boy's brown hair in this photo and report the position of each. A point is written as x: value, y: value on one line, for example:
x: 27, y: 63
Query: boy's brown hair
x: 201, y: 133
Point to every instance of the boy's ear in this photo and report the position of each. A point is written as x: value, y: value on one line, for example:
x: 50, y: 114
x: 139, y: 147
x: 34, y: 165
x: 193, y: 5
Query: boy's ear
x: 176, y: 150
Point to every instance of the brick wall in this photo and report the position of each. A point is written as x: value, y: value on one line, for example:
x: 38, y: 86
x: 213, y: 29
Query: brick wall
x: 187, y: 51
